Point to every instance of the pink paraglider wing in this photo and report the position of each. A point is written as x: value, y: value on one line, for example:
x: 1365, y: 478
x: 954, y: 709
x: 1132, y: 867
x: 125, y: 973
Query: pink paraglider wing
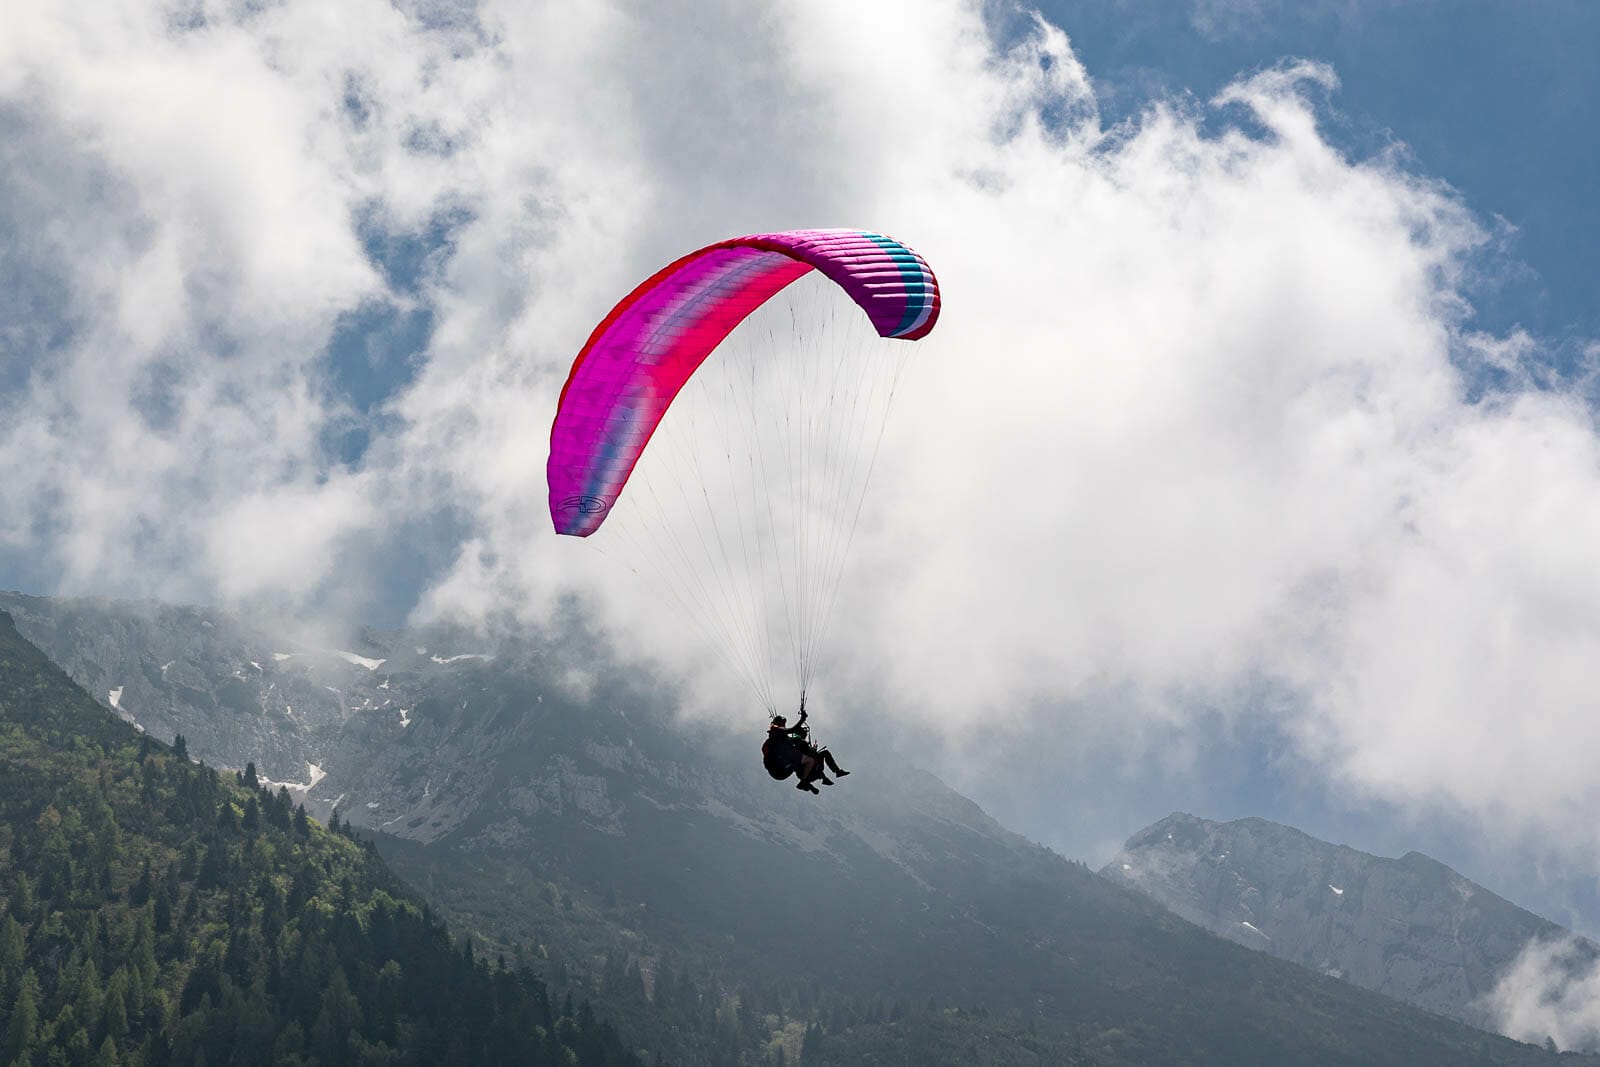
x: 640, y: 356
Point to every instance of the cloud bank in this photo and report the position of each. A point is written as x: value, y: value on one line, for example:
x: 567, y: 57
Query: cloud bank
x: 1202, y: 432
x: 1550, y: 992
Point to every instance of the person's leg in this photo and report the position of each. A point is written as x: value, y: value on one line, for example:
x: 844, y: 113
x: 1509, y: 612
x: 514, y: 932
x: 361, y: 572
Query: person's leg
x: 809, y: 769
x: 827, y: 757
x: 815, y: 773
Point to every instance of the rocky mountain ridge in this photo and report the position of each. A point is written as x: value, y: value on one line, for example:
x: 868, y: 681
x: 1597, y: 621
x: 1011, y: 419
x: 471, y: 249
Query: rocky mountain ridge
x: 1410, y: 928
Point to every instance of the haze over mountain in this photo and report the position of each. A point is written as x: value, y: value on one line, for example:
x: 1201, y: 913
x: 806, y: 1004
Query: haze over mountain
x: 541, y: 797
x: 1410, y: 928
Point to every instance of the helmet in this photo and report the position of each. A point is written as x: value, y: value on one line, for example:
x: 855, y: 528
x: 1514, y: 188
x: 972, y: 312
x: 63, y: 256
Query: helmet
x: 779, y: 721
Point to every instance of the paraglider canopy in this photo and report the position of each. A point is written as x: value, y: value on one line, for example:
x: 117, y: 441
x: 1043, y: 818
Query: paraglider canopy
x: 744, y: 506
x: 643, y: 352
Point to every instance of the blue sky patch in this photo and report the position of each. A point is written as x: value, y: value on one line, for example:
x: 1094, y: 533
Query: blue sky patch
x: 1497, y: 99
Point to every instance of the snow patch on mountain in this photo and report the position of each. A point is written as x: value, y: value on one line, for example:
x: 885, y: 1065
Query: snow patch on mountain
x: 314, y: 774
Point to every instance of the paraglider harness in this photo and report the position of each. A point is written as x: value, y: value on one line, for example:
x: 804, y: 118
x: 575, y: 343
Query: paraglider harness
x: 785, y: 746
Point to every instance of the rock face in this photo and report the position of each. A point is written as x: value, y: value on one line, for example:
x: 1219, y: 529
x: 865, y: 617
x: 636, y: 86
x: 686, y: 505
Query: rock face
x: 404, y: 733
x: 1410, y: 928
x: 174, y: 670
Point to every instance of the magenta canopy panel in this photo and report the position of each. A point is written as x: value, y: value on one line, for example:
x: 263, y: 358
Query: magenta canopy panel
x: 644, y: 351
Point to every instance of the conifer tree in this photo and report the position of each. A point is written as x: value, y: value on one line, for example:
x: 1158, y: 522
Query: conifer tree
x: 22, y: 898
x: 811, y: 1046
x: 11, y: 955
x: 24, y: 1026
x: 282, y: 810
x: 91, y: 994
x: 114, y: 1015
x: 340, y: 1015
x: 163, y: 914
x: 139, y: 895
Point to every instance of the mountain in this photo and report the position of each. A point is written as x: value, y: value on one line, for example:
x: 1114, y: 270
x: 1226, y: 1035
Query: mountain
x: 1410, y: 928
x: 277, y: 702
x: 539, y: 792
x: 153, y: 911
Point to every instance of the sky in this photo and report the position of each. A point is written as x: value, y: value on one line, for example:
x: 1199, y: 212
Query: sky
x: 1252, y: 468
x: 1493, y: 97
x: 1491, y: 100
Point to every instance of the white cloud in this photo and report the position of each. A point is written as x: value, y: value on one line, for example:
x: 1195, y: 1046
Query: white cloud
x: 282, y: 542
x: 1551, y: 990
x: 1191, y: 429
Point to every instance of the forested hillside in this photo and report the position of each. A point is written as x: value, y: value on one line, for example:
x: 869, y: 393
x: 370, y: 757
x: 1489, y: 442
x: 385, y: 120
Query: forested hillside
x: 154, y: 911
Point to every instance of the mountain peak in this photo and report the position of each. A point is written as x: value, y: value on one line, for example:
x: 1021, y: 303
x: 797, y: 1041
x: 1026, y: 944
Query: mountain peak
x: 1410, y: 927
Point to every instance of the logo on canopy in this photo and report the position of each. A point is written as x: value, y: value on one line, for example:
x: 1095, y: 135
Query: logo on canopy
x: 584, y: 505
